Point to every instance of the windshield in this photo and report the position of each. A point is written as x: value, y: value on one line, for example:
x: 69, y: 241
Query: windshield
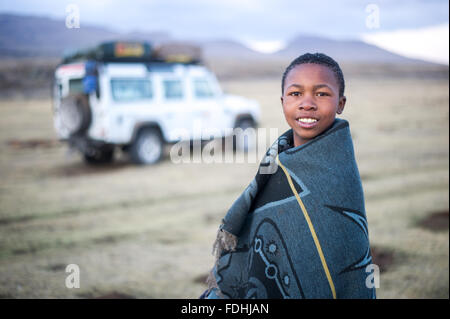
x: 131, y: 89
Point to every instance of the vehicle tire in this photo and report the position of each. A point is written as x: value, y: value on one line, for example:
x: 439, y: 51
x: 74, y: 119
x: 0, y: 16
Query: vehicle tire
x: 243, y: 143
x: 99, y: 157
x: 148, y: 147
x: 75, y: 113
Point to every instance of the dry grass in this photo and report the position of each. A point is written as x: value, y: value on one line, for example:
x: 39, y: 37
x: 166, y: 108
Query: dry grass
x: 147, y: 231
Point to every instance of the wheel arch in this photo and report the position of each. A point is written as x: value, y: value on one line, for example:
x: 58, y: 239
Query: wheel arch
x: 244, y: 116
x: 145, y: 125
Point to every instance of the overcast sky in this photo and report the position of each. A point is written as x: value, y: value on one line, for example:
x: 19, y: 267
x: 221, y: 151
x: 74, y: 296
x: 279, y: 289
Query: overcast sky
x: 256, y: 22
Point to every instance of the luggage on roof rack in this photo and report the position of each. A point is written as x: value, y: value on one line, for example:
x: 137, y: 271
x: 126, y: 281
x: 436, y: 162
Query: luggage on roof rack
x: 128, y: 51
x: 178, y: 52
x: 114, y: 51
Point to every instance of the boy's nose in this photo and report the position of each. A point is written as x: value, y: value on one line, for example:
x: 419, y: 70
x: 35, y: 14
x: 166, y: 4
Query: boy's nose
x: 307, y: 106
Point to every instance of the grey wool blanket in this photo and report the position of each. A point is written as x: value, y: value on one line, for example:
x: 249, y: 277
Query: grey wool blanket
x: 299, y: 229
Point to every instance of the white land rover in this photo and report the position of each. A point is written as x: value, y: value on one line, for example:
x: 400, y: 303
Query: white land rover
x: 126, y: 95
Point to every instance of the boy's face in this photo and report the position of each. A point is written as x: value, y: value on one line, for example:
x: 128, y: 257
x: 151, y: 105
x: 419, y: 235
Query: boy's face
x: 311, y: 100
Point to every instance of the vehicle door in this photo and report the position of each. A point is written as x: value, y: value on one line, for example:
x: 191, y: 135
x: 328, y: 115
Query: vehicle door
x: 206, y: 96
x: 180, y: 113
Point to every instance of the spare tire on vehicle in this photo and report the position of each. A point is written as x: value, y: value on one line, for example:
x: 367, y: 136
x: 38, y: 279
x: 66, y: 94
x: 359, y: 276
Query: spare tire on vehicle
x: 75, y: 113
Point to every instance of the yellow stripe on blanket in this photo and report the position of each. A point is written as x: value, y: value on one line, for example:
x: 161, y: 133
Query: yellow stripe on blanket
x: 311, y: 228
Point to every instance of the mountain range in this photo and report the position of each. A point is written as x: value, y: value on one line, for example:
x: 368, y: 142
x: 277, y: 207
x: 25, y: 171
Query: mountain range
x: 36, y: 36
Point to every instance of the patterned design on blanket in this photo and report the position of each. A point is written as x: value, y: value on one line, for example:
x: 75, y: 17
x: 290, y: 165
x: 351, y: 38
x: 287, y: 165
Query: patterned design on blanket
x: 359, y: 219
x: 270, y: 272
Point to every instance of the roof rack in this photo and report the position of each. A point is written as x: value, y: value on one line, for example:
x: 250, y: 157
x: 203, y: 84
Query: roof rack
x: 127, y: 51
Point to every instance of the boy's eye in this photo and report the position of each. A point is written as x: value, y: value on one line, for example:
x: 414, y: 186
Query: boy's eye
x: 322, y: 94
x: 294, y: 94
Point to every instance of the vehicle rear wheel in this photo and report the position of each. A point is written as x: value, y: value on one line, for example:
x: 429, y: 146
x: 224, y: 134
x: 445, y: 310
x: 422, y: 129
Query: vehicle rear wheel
x: 147, y: 148
x: 99, y: 157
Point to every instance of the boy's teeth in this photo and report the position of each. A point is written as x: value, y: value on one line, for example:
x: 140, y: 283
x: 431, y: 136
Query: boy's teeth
x: 307, y: 120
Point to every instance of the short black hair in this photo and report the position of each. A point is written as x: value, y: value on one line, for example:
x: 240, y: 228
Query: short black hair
x: 317, y: 58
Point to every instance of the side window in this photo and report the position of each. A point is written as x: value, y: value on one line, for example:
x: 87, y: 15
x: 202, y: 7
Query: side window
x: 131, y: 89
x: 203, y: 88
x: 173, y: 89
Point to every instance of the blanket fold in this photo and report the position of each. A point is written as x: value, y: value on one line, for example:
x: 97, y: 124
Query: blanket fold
x: 299, y: 231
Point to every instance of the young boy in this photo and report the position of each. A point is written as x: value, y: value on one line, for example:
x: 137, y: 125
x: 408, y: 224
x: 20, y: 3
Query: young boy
x: 300, y: 231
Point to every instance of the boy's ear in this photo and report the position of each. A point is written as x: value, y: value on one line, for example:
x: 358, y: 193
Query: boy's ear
x: 281, y: 98
x: 341, y: 104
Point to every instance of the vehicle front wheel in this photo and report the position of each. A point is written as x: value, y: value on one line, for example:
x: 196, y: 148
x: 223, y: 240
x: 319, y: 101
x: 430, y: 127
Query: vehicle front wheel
x: 241, y: 141
x: 147, y: 148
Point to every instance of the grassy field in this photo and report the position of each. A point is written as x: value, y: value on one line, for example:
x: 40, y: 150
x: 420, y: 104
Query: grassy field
x: 147, y: 232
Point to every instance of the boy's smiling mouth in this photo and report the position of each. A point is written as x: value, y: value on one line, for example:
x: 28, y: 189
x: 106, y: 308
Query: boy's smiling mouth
x: 306, y: 121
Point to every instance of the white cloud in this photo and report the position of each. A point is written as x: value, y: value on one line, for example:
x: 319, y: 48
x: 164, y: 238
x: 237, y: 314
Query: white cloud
x: 265, y: 46
x: 429, y: 43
